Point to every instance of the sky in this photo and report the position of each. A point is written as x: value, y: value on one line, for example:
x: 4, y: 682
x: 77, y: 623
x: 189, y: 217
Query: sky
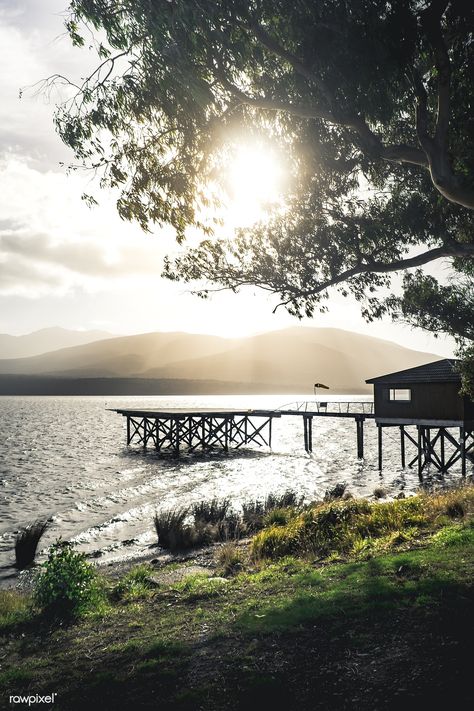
x: 65, y: 264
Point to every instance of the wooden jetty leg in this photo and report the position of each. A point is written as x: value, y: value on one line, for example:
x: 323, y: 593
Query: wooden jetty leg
x: 420, y: 452
x: 442, y: 452
x: 310, y: 434
x: 402, y: 445
x: 226, y: 434
x: 145, y: 432
x: 176, y: 437
x: 305, y: 432
x: 379, y: 428
x: 270, y: 432
x: 360, y: 437
x: 462, y: 442
x: 128, y: 429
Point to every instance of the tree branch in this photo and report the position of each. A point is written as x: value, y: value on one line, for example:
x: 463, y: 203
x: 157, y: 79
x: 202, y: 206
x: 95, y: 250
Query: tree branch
x: 431, y: 23
x: 449, y: 250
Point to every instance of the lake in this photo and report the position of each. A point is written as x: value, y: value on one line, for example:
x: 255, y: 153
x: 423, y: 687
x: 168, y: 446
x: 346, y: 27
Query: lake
x: 66, y: 458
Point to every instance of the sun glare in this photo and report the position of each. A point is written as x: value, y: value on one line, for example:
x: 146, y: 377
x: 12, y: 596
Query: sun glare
x: 253, y: 183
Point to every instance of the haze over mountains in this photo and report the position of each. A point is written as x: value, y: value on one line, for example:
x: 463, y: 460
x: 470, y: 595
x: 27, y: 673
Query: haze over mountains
x: 47, y: 339
x: 289, y: 360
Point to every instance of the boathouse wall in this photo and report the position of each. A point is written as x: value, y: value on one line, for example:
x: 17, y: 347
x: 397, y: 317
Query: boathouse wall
x: 434, y: 401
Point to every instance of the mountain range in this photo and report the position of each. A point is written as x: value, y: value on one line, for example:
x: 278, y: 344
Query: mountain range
x: 46, y: 339
x: 288, y: 360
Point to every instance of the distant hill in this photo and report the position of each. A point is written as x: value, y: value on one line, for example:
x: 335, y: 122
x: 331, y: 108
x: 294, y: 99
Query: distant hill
x: 46, y: 340
x: 287, y: 360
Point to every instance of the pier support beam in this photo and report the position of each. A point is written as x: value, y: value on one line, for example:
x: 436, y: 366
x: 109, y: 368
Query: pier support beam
x: 197, y: 431
x: 380, y: 445
x: 360, y: 436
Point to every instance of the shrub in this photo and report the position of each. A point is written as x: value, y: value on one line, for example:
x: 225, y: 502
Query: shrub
x: 68, y: 585
x: 212, y: 511
x: 380, y: 492
x: 26, y: 543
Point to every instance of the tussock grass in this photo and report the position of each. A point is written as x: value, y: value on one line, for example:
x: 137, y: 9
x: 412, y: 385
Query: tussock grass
x: 173, y: 532
x: 26, y: 543
x: 213, y: 511
x: 257, y: 514
x: 359, y: 527
x: 230, y: 559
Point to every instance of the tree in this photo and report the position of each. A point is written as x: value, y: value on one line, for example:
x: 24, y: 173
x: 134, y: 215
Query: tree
x: 370, y: 100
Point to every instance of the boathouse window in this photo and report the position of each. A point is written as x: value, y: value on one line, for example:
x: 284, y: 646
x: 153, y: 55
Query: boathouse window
x: 397, y: 394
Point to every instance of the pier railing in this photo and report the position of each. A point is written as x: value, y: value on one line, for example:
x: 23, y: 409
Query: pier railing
x: 362, y: 407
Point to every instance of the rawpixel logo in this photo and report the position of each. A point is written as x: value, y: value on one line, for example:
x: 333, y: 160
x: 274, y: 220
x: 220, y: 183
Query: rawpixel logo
x: 33, y: 699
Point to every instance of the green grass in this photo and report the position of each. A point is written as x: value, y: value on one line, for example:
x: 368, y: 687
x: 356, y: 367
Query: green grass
x: 359, y: 527
x: 286, y: 632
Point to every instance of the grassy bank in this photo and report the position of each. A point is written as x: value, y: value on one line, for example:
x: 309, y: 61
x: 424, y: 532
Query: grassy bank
x: 334, y: 624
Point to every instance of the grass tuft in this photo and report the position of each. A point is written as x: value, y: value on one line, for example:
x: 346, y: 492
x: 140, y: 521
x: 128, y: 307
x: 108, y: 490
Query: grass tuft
x: 26, y: 543
x: 213, y: 511
x: 230, y: 559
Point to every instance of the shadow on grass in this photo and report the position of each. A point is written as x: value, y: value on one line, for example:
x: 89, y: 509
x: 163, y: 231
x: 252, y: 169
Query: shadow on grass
x: 389, y: 633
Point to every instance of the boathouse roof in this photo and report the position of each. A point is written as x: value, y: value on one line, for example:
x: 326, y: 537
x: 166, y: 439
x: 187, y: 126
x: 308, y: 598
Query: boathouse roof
x: 439, y: 371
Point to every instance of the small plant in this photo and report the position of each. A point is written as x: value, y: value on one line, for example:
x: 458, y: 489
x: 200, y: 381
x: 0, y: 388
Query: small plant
x: 212, y: 511
x: 335, y: 492
x: 277, y: 517
x: 68, y: 585
x: 14, y: 607
x: 135, y: 584
x: 172, y: 531
x: 26, y: 543
x: 229, y: 559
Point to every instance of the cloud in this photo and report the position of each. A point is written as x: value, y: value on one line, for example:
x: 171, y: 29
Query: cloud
x: 51, y: 241
x: 33, y: 46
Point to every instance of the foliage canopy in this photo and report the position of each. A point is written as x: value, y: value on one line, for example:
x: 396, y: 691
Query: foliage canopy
x: 370, y: 101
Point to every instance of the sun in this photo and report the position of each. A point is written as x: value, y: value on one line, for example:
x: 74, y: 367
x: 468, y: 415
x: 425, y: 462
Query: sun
x: 253, y: 184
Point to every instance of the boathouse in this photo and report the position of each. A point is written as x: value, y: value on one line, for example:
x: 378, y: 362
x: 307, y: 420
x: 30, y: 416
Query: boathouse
x: 423, y: 394
x: 429, y: 398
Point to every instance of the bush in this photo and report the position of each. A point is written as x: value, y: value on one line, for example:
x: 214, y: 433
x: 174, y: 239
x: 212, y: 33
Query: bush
x: 68, y: 584
x: 26, y: 543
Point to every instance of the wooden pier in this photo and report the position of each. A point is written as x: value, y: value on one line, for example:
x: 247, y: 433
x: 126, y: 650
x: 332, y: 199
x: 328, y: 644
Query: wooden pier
x: 205, y: 429
x: 433, y: 443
